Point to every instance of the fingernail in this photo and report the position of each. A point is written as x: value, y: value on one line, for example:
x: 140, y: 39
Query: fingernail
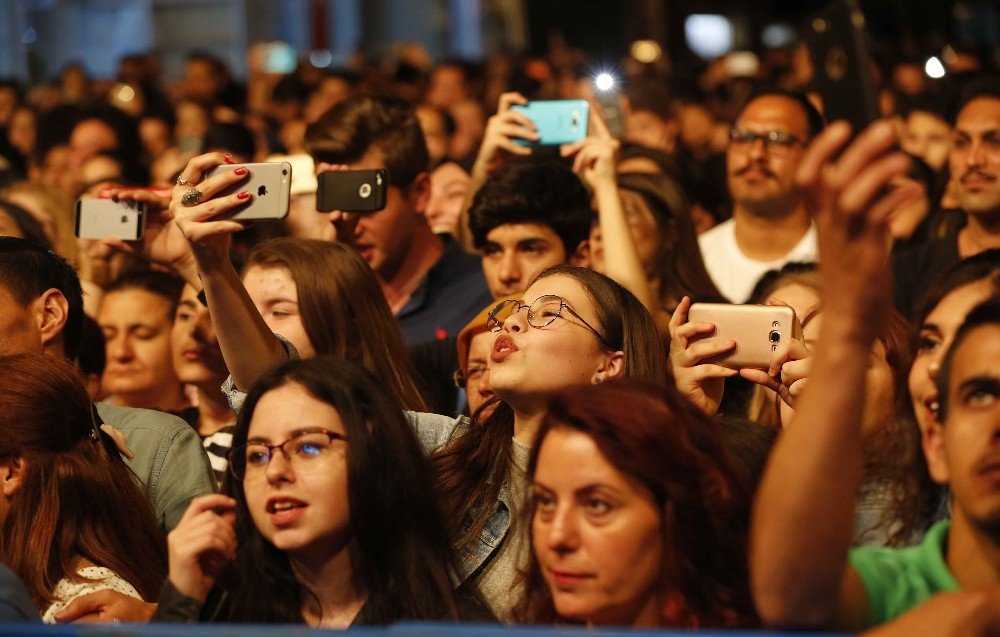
x: 240, y: 171
x: 228, y: 158
x: 243, y: 195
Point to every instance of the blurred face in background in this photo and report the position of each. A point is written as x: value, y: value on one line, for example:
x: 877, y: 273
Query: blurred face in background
x: 196, y: 353
x: 928, y: 137
x: 449, y: 188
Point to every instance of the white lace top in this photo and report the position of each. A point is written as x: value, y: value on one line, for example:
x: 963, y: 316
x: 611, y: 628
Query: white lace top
x: 66, y: 590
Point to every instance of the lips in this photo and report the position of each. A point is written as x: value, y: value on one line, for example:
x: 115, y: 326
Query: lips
x: 284, y: 510
x: 931, y: 406
x: 568, y: 580
x: 503, y: 347
x: 192, y: 354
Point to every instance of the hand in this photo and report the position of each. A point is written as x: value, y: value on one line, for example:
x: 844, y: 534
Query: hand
x: 787, y: 375
x: 702, y: 383
x: 596, y: 155
x: 162, y: 241
x: 209, y: 238
x: 105, y: 606
x: 201, y: 545
x: 498, y: 138
x: 851, y: 205
x: 952, y: 614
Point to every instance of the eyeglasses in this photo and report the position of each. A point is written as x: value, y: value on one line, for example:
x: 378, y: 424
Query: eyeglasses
x: 541, y: 313
x: 303, y: 450
x: 777, y: 143
x: 474, y: 374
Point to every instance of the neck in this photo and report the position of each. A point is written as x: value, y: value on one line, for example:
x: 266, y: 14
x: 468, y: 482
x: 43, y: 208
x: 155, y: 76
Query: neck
x: 213, y: 409
x: 981, y: 232
x: 973, y: 556
x: 527, y: 424
x: 649, y: 615
x: 331, y: 581
x: 398, y: 285
x: 169, y: 398
x: 769, y: 238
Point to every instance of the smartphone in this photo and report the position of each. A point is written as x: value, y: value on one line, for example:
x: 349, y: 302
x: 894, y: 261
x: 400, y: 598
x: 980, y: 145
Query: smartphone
x: 104, y: 218
x: 557, y: 121
x: 360, y: 191
x: 757, y: 329
x: 269, y: 184
x: 838, y: 45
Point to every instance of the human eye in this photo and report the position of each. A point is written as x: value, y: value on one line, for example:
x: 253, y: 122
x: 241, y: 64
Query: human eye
x: 961, y: 142
x: 982, y: 393
x: 475, y: 373
x: 927, y: 342
x: 184, y: 316
x: 534, y: 247
x: 544, y: 502
x: 258, y: 456
x: 489, y: 250
x: 596, y: 506
x: 992, y: 141
x: 781, y: 139
x: 311, y: 446
x: 145, y: 333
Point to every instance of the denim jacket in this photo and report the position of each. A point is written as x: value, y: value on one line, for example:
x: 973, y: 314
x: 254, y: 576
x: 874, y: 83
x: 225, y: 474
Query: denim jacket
x: 433, y: 431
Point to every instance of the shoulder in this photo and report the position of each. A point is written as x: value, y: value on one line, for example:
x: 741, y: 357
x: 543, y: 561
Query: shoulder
x: 91, y: 579
x: 433, y: 431
x: 15, y: 602
x: 896, y: 580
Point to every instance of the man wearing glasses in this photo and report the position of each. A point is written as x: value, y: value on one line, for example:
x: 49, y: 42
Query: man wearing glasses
x: 770, y: 225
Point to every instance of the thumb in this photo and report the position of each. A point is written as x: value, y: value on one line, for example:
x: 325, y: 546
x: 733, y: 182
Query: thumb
x: 78, y: 608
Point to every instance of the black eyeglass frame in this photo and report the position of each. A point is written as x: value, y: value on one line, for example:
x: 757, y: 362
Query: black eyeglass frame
x: 494, y: 325
x: 772, y: 139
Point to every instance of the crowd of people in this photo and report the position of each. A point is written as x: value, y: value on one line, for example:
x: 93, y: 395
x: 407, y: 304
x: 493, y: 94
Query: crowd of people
x: 486, y: 402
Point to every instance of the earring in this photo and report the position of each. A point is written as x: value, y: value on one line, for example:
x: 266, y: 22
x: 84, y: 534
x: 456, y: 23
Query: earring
x: 597, y: 381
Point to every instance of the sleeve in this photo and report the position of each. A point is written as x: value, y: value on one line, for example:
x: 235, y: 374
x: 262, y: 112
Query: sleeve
x: 183, y: 473
x: 176, y: 607
x: 892, y: 583
x: 235, y: 396
x: 433, y: 431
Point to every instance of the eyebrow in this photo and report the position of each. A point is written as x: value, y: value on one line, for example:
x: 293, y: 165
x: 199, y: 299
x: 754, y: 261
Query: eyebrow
x: 982, y: 382
x: 930, y: 327
x: 584, y: 490
x: 291, y: 434
x: 189, y: 303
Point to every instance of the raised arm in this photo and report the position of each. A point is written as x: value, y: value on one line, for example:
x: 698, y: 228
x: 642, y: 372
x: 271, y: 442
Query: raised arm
x: 804, y: 513
x: 248, y: 345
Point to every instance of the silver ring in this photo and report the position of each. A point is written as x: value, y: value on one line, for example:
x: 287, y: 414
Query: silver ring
x: 191, y: 197
x: 181, y: 181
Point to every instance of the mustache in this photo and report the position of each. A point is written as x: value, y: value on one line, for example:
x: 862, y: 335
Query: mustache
x: 755, y: 166
x: 975, y: 172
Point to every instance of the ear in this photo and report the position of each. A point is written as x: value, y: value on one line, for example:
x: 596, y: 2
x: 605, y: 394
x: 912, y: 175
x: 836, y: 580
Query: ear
x: 581, y: 256
x: 51, y: 314
x: 936, y: 454
x: 11, y: 473
x: 419, y: 193
x: 612, y: 367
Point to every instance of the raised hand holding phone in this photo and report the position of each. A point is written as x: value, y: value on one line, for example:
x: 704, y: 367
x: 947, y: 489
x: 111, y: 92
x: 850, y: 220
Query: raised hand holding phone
x: 201, y: 545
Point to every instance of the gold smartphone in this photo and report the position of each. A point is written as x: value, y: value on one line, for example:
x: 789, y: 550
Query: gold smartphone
x: 757, y: 329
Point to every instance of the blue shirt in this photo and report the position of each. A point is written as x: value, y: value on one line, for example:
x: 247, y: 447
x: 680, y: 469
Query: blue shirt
x: 452, y: 293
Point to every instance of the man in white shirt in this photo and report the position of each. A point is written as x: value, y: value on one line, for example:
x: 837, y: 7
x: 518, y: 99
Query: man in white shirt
x: 770, y: 225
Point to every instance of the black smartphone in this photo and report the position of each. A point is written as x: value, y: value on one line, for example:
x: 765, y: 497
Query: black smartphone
x: 360, y: 191
x: 838, y: 44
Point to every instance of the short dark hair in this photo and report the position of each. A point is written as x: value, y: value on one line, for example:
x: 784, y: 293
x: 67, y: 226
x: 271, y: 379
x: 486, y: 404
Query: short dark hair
x: 348, y: 130
x: 230, y: 137
x: 986, y: 313
x: 533, y: 191
x: 814, y: 119
x: 984, y: 266
x: 982, y: 87
x: 27, y: 270
x: 169, y: 286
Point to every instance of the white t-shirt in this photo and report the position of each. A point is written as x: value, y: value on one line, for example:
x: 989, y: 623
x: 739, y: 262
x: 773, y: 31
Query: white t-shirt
x: 733, y: 272
x: 66, y: 591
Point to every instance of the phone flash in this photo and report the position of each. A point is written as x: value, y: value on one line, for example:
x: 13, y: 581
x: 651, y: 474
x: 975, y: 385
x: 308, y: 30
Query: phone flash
x: 604, y: 82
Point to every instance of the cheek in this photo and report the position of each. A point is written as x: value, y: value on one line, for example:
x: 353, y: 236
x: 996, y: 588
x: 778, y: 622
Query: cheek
x: 628, y: 559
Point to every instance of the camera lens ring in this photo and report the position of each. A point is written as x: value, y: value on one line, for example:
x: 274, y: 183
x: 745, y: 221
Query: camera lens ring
x: 775, y: 336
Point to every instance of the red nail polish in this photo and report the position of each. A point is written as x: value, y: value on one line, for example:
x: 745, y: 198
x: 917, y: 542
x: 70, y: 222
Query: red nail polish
x: 240, y: 171
x: 243, y: 195
x: 228, y: 158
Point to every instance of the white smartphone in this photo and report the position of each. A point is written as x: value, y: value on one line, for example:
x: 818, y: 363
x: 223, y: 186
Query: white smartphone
x: 104, y: 218
x: 270, y: 185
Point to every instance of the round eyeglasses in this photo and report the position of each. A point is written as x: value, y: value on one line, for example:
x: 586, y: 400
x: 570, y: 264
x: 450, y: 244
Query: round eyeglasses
x: 776, y: 142
x: 302, y: 450
x: 541, y: 313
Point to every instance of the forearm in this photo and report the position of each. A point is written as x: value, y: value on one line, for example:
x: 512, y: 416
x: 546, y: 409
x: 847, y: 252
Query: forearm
x: 804, y: 513
x: 621, y: 259
x: 248, y: 345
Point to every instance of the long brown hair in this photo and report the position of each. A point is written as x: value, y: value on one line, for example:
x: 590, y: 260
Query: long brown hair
x: 74, y: 500
x: 652, y: 434
x: 472, y: 467
x: 343, y: 310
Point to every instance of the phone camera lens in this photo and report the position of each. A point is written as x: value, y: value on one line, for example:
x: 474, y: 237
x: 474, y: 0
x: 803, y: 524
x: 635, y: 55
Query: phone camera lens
x: 775, y: 336
x: 284, y: 171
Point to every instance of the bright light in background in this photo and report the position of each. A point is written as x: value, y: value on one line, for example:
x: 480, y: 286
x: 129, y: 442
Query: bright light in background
x: 604, y: 82
x: 777, y: 35
x: 934, y: 69
x: 708, y: 35
x: 126, y: 93
x: 321, y: 58
x: 646, y: 51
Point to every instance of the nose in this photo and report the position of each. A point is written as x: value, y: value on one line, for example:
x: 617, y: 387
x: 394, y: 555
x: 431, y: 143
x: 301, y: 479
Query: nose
x: 510, y: 270
x: 517, y: 321
x: 758, y: 149
x: 977, y: 153
x: 562, y: 532
x: 279, y: 469
x: 934, y: 366
x: 346, y: 223
x: 120, y: 348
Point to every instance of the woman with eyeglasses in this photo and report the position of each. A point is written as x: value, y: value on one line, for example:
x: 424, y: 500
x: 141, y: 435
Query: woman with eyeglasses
x: 573, y: 326
x: 328, y: 517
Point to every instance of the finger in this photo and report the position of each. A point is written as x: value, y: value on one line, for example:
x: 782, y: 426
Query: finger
x: 509, y: 99
x: 324, y: 167
x: 118, y: 245
x: 213, y: 207
x: 208, y: 502
x: 880, y: 211
x: 694, y: 328
x: 518, y: 131
x: 760, y: 377
x: 704, y: 349
x: 89, y: 604
x: 198, y: 166
x: 707, y: 371
x: 210, y: 229
x: 515, y: 118
x: 567, y: 150
x: 679, y: 317
x: 866, y: 187
x: 514, y: 148
x: 821, y: 151
x: 599, y: 128
x: 220, y: 180
x: 870, y: 144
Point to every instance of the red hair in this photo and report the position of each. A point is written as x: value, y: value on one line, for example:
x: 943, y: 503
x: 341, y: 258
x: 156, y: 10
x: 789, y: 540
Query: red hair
x: 652, y: 434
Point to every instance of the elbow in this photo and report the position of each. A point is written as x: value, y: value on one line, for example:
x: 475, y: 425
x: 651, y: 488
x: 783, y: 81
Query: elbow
x: 781, y: 610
